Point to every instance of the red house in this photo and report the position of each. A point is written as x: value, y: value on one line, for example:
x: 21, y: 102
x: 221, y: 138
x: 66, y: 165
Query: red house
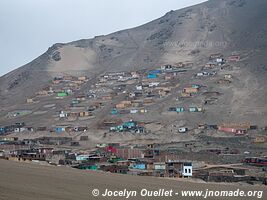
x: 234, y: 58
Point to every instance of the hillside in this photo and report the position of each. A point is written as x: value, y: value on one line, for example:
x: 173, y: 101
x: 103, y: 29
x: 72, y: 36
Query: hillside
x: 189, y: 35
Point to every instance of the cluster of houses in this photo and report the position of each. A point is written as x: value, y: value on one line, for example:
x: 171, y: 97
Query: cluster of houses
x: 149, y: 160
x: 61, y: 86
x: 191, y: 109
x: 133, y: 93
x: 119, y: 126
x: 17, y: 127
x: 233, y: 128
x: 138, y: 127
x: 130, y: 126
x: 20, y: 127
x: 128, y: 94
x: 217, y: 62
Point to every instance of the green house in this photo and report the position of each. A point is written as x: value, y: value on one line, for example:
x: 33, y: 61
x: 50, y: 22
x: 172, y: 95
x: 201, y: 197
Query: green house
x: 196, y: 86
x: 62, y: 94
x: 114, y: 160
x: 114, y: 111
x: 116, y: 128
x: 193, y: 109
x: 180, y: 109
x: 75, y: 101
x: 89, y: 167
x: 130, y: 124
x: 119, y: 128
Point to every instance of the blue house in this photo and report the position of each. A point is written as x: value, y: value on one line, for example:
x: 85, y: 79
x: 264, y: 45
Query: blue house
x: 152, y: 76
x: 2, y: 130
x: 59, y: 129
x: 140, y: 166
x: 155, y: 72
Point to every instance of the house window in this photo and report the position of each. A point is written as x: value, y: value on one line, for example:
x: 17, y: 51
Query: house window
x: 185, y: 170
x: 189, y: 171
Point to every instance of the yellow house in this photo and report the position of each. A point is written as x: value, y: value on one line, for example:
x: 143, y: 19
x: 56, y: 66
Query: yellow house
x: 29, y: 100
x: 82, y: 78
x: 260, y: 139
x: 190, y: 90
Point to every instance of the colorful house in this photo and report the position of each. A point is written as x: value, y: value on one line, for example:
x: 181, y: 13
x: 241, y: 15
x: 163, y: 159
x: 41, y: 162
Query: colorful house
x: 159, y: 169
x: 195, y: 86
x: 150, y: 76
x: 140, y: 166
x: 82, y: 78
x: 59, y: 129
x: 157, y: 71
x: 62, y: 94
x: 116, y: 129
x: 193, y: 109
x: 127, y: 126
x: 180, y: 109
x: 88, y: 167
x: 227, y: 129
x: 259, y: 139
x: 114, y: 111
x: 234, y: 58
x: 161, y: 166
x: 185, y: 95
x: 190, y: 90
x: 130, y: 124
x: 101, y: 145
x: 2, y: 130
x: 82, y: 157
x: 111, y: 149
x: 75, y: 101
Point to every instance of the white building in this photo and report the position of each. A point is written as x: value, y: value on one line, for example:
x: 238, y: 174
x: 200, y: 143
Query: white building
x: 62, y: 114
x: 182, y: 130
x: 139, y: 87
x: 153, y: 84
x: 219, y: 60
x: 133, y: 111
x: 187, y: 169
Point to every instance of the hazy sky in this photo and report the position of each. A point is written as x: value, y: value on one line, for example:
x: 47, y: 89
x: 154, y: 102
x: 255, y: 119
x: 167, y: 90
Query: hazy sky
x: 29, y: 27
